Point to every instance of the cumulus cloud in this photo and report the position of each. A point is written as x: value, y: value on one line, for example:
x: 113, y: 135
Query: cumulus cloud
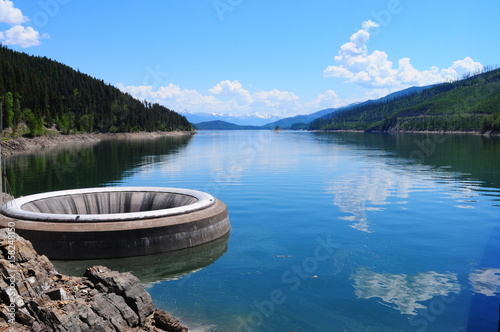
x: 231, y: 89
x: 328, y: 99
x: 274, y: 100
x: 354, y: 62
x: 18, y: 34
x: 375, y: 70
x: 279, y: 101
x: 367, y: 25
x: 9, y: 14
x: 22, y: 36
x: 176, y: 98
x: 230, y: 97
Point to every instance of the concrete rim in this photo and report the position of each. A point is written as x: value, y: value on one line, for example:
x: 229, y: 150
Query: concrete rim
x: 14, y: 209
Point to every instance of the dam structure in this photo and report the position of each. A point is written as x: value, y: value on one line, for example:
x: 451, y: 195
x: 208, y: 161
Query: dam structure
x: 114, y: 222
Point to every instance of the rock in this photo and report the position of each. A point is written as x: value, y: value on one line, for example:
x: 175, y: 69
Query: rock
x: 115, y: 310
x: 58, y: 294
x: 125, y: 285
x: 165, y: 321
x: 44, y: 300
x: 23, y: 317
x: 94, y: 321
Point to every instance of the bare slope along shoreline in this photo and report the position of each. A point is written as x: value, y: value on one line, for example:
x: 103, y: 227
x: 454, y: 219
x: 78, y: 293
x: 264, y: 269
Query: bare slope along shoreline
x: 35, y: 297
x: 18, y: 145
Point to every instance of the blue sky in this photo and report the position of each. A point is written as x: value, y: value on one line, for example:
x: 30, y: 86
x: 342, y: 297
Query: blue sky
x: 254, y: 56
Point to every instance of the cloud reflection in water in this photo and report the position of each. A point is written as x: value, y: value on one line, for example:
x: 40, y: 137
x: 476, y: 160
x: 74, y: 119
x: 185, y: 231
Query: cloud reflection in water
x: 404, y: 291
x: 369, y: 191
x: 486, y: 281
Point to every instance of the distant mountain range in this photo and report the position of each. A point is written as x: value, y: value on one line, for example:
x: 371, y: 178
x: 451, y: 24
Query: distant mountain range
x: 254, y: 119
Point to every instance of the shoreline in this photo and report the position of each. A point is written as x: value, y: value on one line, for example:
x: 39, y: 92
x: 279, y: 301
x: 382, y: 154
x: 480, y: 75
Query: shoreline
x: 25, y: 145
x: 445, y: 132
x: 441, y: 132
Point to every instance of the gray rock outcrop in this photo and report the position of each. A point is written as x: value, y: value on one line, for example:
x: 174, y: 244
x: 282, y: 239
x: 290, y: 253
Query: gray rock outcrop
x: 35, y: 297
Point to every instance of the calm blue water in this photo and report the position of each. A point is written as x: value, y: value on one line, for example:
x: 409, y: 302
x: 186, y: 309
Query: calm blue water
x: 330, y: 231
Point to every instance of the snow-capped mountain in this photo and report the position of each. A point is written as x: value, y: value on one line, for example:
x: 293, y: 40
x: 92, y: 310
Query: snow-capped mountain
x: 253, y: 119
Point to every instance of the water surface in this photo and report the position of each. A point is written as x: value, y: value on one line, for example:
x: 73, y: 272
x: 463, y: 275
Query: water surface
x: 330, y: 231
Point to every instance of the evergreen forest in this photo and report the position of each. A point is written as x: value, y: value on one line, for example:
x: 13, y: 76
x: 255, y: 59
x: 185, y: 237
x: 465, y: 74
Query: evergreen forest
x: 39, y: 94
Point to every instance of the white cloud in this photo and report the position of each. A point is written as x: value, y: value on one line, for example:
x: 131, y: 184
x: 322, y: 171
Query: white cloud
x: 230, y: 97
x: 328, y: 99
x: 279, y: 101
x: 367, y: 25
x: 173, y: 97
x: 467, y: 65
x: 374, y: 70
x: 17, y: 34
x: 353, y: 62
x: 22, y: 36
x: 231, y: 89
x: 377, y: 93
x: 9, y: 14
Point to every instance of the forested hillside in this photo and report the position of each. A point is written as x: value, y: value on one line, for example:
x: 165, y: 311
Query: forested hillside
x: 223, y: 125
x: 470, y: 104
x: 43, y: 93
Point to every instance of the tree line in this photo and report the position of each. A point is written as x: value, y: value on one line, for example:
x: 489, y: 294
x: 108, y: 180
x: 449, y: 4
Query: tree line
x: 43, y: 93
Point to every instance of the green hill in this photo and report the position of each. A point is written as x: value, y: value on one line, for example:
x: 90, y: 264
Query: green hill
x: 223, y: 125
x: 470, y: 104
x: 44, y: 93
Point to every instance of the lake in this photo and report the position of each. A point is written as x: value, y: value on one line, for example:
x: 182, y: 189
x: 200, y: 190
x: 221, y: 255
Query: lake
x: 330, y: 231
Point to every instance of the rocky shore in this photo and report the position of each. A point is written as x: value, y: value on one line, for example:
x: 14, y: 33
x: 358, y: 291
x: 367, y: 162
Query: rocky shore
x: 35, y: 297
x: 17, y: 145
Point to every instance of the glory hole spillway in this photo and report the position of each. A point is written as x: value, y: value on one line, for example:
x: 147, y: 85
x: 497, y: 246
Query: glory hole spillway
x: 116, y: 222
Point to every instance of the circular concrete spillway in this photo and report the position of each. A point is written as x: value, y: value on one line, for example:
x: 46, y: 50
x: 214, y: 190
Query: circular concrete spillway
x: 116, y: 222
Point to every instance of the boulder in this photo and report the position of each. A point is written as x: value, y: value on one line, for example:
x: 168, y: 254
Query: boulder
x: 44, y: 300
x: 165, y: 321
